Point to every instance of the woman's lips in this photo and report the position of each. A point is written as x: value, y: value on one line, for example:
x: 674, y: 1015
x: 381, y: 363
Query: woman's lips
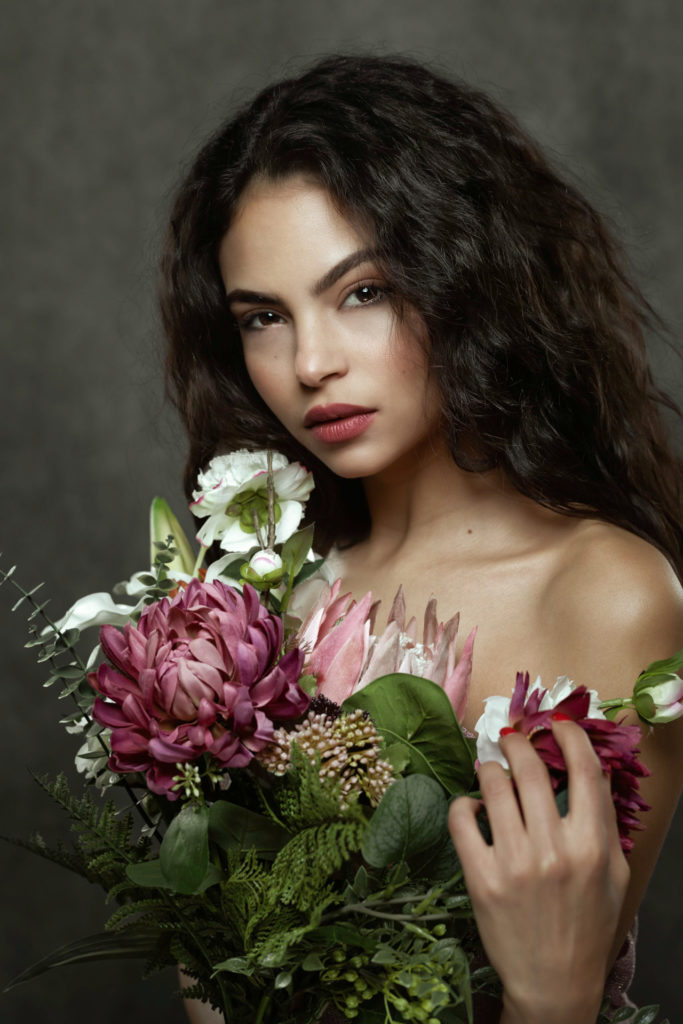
x: 338, y: 422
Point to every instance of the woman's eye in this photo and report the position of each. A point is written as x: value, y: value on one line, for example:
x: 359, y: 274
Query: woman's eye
x: 364, y: 295
x: 258, y: 321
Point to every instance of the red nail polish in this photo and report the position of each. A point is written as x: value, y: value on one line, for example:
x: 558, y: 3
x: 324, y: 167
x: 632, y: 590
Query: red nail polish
x: 559, y: 716
x: 507, y: 730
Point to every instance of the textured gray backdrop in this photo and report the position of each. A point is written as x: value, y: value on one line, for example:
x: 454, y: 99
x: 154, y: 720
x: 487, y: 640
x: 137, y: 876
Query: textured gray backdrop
x: 103, y: 102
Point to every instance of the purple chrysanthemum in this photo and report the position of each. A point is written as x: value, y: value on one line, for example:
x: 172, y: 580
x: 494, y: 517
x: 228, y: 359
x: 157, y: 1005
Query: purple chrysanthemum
x: 198, y: 674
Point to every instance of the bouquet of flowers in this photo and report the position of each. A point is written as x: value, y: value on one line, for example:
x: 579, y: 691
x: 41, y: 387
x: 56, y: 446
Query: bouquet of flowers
x: 288, y: 767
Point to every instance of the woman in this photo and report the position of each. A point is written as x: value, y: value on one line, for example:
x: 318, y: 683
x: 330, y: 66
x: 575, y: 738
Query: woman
x: 375, y: 271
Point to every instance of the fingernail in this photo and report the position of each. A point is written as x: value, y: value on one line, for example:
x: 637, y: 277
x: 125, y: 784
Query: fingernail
x: 559, y: 716
x: 507, y: 730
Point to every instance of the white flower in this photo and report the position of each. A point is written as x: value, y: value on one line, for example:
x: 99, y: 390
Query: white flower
x: 496, y: 715
x: 661, y: 700
x: 264, y: 562
x: 93, y: 610
x: 562, y: 688
x: 233, y: 490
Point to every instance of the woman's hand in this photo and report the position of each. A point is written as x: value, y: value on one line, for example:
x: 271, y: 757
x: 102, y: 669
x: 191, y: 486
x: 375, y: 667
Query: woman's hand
x: 548, y: 893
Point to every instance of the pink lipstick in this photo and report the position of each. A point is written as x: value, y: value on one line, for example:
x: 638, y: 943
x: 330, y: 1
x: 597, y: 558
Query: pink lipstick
x: 338, y: 421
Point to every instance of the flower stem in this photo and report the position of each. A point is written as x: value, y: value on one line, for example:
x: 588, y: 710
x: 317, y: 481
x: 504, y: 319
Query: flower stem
x: 271, y: 501
x: 262, y: 1007
x: 200, y: 559
x: 617, y: 702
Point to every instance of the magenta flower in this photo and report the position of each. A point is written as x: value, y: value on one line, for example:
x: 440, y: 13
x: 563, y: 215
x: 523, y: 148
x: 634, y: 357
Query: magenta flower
x: 198, y: 674
x: 616, y: 746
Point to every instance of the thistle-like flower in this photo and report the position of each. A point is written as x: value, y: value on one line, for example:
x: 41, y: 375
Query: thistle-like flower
x: 348, y: 747
x: 344, y: 654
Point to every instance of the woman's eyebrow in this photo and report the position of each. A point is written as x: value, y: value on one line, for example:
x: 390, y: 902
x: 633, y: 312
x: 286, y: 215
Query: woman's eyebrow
x: 354, y: 259
x: 329, y: 278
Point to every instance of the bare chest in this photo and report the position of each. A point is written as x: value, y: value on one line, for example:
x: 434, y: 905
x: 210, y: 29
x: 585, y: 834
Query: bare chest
x: 508, y: 604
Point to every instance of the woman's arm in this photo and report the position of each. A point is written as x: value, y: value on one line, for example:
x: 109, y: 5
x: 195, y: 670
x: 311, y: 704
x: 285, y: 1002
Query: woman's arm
x: 554, y: 897
x: 197, y: 1011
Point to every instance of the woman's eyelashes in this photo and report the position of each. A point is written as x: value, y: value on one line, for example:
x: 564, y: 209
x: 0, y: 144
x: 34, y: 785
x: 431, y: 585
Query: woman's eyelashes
x: 258, y: 320
x: 362, y: 294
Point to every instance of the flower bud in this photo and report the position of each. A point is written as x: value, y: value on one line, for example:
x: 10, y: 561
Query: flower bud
x: 263, y: 563
x: 264, y: 570
x: 661, y: 699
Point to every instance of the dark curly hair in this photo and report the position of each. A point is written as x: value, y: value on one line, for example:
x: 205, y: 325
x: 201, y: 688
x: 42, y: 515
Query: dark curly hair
x: 535, y: 329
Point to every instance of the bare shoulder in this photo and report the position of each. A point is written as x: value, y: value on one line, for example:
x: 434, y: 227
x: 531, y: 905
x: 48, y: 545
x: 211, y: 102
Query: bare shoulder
x: 619, y: 595
x: 606, y: 571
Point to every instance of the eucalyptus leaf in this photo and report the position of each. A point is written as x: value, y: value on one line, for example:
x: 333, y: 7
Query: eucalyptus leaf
x: 237, y: 828
x: 417, y: 714
x: 184, y: 851
x: 410, y: 818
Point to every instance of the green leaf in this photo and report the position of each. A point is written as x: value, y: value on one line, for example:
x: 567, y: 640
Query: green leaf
x: 309, y: 684
x: 184, y: 851
x: 647, y: 1015
x: 344, y: 934
x: 296, y: 548
x: 237, y: 828
x: 149, y: 875
x: 307, y: 570
x: 664, y: 667
x: 417, y: 714
x: 232, y: 570
x: 235, y: 965
x: 104, y: 946
x: 411, y: 817
x: 397, y: 755
x: 312, y: 963
x: 162, y: 524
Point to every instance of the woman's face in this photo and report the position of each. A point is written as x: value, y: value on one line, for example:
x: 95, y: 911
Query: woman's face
x: 321, y: 342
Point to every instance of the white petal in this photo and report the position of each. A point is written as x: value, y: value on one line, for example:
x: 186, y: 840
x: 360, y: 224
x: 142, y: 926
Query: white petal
x: 496, y: 715
x: 234, y: 538
x: 291, y: 513
x: 215, y: 570
x: 94, y: 610
x: 667, y: 693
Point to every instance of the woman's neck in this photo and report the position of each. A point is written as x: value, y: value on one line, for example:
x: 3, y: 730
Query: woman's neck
x: 429, y: 495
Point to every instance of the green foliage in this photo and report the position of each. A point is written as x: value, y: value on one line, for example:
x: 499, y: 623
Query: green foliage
x: 645, y: 1015
x: 410, y: 818
x: 416, y: 718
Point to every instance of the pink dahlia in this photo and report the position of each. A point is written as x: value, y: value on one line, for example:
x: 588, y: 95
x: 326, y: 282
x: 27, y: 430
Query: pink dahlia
x: 198, y: 674
x: 530, y: 712
x: 344, y: 654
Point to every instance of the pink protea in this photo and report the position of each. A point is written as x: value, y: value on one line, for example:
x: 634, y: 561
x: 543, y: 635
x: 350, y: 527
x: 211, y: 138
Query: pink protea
x: 198, y: 674
x: 530, y: 713
x: 344, y: 655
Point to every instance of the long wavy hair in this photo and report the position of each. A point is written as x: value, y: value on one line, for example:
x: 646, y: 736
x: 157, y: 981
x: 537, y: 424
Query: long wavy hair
x: 535, y: 328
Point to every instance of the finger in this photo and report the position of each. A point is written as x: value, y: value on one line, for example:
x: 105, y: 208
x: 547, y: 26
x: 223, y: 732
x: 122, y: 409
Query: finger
x: 462, y: 824
x: 534, y: 788
x: 586, y: 795
x: 611, y: 821
x: 502, y: 808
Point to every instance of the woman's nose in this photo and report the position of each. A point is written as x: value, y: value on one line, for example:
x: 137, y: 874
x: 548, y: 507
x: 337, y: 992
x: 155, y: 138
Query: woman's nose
x: 319, y: 356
